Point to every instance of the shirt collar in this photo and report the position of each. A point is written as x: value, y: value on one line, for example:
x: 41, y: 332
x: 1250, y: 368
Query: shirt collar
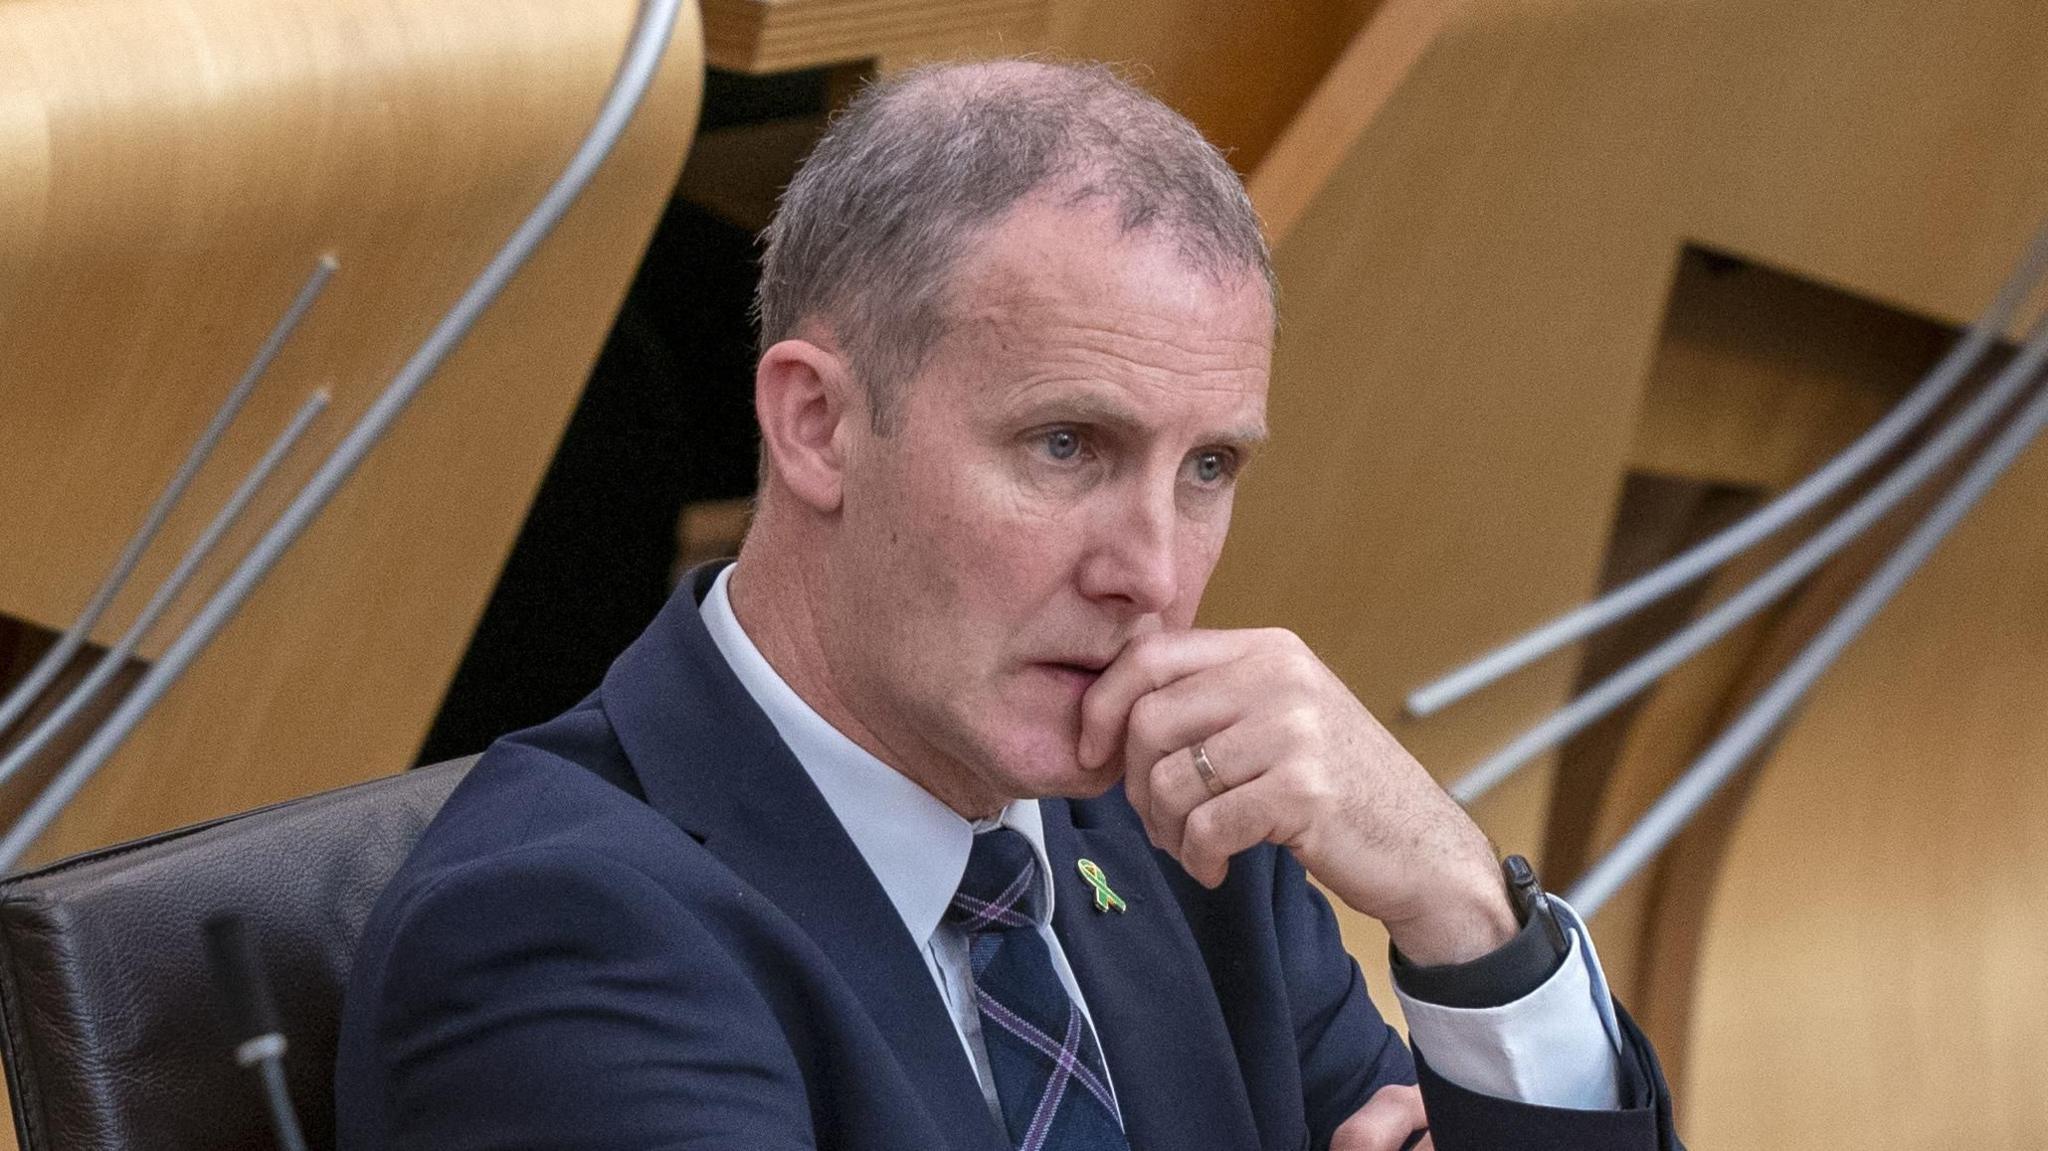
x: 916, y: 846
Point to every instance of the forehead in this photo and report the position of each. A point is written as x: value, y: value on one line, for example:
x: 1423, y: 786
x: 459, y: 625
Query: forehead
x: 1045, y: 255
x: 1064, y: 295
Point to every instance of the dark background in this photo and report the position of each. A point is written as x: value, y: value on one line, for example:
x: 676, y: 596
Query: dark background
x: 666, y: 420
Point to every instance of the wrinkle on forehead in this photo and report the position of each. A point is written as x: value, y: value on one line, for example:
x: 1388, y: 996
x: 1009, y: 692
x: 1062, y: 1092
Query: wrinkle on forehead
x: 1160, y: 357
x: 1048, y: 250
x: 1068, y: 276
x: 1057, y: 303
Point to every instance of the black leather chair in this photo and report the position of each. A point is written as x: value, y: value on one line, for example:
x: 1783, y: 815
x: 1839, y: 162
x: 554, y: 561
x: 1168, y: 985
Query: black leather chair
x: 112, y: 1033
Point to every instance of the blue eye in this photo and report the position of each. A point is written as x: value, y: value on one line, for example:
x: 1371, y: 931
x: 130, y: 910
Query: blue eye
x: 1063, y: 444
x: 1211, y: 467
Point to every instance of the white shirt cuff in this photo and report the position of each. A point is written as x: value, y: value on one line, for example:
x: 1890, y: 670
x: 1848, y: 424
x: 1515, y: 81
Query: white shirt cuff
x: 1558, y: 1046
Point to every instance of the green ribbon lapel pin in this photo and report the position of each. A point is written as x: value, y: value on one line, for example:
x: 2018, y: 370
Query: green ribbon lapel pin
x: 1105, y: 899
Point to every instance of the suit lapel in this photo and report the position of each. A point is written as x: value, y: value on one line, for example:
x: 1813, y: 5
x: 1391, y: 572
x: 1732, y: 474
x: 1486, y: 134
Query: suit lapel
x: 1162, y: 1033
x: 708, y: 758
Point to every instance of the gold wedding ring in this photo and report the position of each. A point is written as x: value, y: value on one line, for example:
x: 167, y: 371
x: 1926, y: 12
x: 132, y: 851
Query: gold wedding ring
x: 1207, y: 771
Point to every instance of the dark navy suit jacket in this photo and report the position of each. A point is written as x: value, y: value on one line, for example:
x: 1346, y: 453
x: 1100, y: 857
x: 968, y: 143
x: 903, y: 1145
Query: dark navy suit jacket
x: 640, y: 926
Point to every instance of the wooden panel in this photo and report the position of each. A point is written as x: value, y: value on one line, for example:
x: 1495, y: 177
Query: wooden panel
x: 1478, y: 217
x: 1761, y: 377
x: 1351, y: 95
x: 1239, y: 71
x: 173, y: 169
x: 763, y: 36
x: 1871, y: 974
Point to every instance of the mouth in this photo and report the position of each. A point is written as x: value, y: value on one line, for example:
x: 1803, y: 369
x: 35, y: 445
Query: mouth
x: 1079, y: 672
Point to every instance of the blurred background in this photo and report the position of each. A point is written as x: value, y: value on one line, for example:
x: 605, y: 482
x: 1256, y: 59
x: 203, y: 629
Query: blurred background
x: 1568, y: 286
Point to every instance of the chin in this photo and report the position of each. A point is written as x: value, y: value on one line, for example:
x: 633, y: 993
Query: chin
x: 1048, y: 767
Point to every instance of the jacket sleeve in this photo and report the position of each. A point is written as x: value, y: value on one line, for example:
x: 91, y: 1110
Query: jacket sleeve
x: 558, y: 999
x: 1347, y: 1050
x: 1461, y: 1120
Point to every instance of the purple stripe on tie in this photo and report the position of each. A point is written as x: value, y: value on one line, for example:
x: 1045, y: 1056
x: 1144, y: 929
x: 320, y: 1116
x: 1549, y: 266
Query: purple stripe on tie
x: 1000, y: 911
x: 1055, y: 1088
x: 1065, y: 1056
x: 986, y: 914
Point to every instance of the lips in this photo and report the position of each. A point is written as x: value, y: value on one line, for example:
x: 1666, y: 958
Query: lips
x: 1078, y: 674
x: 1085, y: 665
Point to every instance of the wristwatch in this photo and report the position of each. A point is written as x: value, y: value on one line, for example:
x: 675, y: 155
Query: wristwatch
x: 1526, y: 896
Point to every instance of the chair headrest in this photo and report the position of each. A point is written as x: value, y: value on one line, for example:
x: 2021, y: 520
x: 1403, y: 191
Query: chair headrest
x: 113, y: 1035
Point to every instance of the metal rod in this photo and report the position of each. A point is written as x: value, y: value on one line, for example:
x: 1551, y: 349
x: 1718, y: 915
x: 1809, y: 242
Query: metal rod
x: 53, y: 661
x: 1762, y: 719
x: 111, y: 663
x: 277, y: 1095
x: 1798, y: 500
x: 1625, y: 684
x: 635, y: 74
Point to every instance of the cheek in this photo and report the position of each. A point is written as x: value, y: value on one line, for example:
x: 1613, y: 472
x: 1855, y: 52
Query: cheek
x: 1198, y: 557
x: 1010, y: 552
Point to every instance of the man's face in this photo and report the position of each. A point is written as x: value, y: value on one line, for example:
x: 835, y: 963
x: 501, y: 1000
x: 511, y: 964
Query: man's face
x: 1060, y: 480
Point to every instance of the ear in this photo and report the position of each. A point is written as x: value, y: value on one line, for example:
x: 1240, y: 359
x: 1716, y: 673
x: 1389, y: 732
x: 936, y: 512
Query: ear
x: 804, y: 395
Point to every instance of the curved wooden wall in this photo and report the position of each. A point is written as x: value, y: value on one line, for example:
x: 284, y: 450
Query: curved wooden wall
x: 1479, y: 216
x: 1239, y: 71
x: 169, y: 172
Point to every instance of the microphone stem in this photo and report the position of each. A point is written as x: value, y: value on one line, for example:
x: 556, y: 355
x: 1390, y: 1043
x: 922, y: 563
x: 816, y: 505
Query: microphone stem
x: 282, y: 1116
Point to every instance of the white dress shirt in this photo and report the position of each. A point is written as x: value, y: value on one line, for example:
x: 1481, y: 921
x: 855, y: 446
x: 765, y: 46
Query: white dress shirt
x: 914, y: 844
x: 1556, y: 1046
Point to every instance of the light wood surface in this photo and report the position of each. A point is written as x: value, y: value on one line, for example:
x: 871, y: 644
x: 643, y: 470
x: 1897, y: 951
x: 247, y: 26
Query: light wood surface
x: 1478, y: 220
x: 764, y: 36
x: 1239, y: 71
x: 1350, y: 95
x: 1872, y: 965
x: 1760, y: 377
x: 172, y: 170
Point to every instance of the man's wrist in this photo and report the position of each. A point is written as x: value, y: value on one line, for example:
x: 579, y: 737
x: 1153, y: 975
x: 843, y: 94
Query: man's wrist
x: 1508, y: 972
x: 1458, y: 928
x: 1495, y: 979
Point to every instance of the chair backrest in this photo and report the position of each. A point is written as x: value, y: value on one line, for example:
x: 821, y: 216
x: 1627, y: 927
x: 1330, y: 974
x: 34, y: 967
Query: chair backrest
x: 112, y: 1033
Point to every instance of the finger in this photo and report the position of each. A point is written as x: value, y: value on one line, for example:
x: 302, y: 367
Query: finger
x: 1176, y: 717
x: 1146, y: 664
x: 1385, y: 1123
x: 1235, y: 821
x: 1174, y: 789
x: 1178, y: 790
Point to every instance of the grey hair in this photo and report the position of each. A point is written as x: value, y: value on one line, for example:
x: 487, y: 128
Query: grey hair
x: 866, y: 235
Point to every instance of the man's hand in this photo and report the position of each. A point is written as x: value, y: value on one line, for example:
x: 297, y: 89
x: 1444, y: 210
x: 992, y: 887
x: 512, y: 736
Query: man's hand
x: 1387, y: 1121
x: 1302, y: 764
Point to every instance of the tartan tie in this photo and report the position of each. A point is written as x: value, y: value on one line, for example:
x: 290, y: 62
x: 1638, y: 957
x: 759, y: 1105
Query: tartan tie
x: 1042, y: 1053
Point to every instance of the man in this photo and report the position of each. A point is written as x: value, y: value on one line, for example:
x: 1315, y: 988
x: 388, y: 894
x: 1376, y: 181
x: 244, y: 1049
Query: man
x: 932, y: 821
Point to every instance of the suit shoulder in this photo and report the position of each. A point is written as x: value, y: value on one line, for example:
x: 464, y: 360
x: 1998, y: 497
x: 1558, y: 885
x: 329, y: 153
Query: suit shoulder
x: 522, y: 795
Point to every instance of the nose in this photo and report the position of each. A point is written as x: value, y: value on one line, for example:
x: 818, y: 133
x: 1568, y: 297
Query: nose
x: 1132, y: 561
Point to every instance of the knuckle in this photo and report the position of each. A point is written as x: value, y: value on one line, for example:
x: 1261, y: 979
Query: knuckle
x: 1287, y: 642
x: 1317, y: 790
x: 1301, y: 723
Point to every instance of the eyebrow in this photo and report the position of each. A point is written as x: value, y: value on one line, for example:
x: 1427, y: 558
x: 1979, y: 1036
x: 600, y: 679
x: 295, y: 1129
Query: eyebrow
x: 1092, y: 408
